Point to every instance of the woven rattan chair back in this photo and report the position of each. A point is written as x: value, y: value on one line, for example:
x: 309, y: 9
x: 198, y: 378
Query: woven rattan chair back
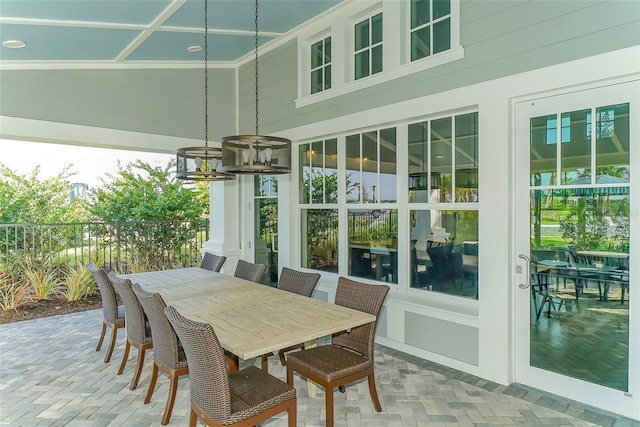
x: 242, y: 398
x: 113, y: 316
x: 107, y: 293
x: 165, y: 341
x: 136, y: 322
x: 138, y: 330
x: 167, y: 351
x: 362, y: 297
x: 249, y: 271
x: 298, y: 282
x: 209, y: 379
x: 212, y: 262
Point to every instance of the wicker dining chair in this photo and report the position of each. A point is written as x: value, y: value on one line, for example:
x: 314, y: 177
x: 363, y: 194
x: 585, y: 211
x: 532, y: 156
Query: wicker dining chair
x: 222, y: 398
x: 249, y: 271
x: 113, y: 315
x: 300, y: 283
x: 212, y: 262
x: 168, y: 355
x: 138, y: 330
x: 350, y: 355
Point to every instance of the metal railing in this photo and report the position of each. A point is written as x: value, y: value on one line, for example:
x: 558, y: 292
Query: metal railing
x: 125, y: 246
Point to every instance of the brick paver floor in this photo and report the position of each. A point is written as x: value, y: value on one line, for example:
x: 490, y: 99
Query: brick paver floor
x: 51, y: 375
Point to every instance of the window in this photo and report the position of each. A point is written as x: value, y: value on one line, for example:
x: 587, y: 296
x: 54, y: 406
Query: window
x: 343, y: 52
x: 373, y: 244
x: 430, y: 27
x: 319, y: 234
x: 319, y: 172
x: 371, y: 167
x: 368, y: 47
x: 443, y: 153
x: 444, y: 251
x: 321, y: 65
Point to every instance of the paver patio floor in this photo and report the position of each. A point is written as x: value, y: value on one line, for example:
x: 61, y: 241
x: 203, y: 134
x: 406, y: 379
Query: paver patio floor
x: 51, y: 375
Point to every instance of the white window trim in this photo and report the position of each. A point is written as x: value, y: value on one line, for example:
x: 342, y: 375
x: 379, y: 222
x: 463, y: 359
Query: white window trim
x: 396, y: 49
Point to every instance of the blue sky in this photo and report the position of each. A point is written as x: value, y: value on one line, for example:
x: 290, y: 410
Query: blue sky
x: 90, y: 163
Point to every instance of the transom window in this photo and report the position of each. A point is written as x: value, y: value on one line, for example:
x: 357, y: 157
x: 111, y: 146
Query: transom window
x: 430, y: 27
x: 321, y: 65
x: 368, y: 47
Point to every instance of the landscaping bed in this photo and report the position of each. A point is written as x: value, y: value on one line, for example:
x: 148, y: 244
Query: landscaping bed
x: 49, y: 307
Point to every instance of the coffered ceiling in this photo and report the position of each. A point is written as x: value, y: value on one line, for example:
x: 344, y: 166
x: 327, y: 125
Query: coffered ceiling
x: 112, y: 33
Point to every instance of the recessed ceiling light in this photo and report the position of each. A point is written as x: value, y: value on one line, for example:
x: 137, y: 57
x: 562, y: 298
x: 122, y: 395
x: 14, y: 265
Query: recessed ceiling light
x: 195, y: 48
x: 14, y: 44
x: 439, y: 156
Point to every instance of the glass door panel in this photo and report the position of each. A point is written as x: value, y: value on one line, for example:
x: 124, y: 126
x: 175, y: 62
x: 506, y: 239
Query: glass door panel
x: 575, y: 336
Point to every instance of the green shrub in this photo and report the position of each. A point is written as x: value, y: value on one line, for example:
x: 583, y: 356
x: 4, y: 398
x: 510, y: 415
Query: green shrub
x: 13, y: 294
x: 79, y: 283
x: 43, y: 280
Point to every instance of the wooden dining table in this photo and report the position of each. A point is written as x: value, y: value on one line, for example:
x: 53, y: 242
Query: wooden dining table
x: 250, y: 319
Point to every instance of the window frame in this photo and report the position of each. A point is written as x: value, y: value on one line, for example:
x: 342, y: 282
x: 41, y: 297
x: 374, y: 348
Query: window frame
x: 396, y: 48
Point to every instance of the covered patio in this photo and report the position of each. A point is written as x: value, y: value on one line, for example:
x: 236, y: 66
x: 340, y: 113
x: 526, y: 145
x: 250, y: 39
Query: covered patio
x: 75, y: 388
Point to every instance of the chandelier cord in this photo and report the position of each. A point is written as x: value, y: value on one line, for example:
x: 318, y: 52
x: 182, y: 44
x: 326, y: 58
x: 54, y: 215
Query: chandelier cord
x: 206, y: 77
x: 256, y: 65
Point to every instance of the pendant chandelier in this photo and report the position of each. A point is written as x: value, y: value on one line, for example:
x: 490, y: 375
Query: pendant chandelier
x: 202, y: 163
x: 256, y: 154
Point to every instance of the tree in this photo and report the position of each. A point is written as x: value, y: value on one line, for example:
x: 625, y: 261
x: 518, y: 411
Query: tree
x: 146, y: 203
x: 26, y: 199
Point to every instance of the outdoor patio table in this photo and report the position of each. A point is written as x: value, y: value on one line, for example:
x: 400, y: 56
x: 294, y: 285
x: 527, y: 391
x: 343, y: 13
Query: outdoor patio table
x: 250, y: 319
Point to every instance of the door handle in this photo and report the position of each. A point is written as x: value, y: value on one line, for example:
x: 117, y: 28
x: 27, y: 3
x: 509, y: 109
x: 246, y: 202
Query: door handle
x: 528, y: 272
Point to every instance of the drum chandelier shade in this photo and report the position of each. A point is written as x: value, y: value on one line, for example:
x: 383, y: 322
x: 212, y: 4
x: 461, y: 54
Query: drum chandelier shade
x: 202, y: 163
x: 256, y: 154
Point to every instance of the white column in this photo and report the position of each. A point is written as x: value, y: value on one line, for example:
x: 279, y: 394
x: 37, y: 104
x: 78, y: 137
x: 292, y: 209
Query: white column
x: 224, y: 229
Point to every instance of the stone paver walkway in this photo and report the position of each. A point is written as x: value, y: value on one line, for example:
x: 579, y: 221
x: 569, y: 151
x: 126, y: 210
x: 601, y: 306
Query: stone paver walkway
x: 51, y: 375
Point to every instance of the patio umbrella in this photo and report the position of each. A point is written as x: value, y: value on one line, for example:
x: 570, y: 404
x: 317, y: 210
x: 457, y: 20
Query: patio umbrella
x: 582, y: 187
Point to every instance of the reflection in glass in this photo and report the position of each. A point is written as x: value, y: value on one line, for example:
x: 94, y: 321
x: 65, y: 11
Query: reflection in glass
x: 369, y: 157
x: 442, y: 35
x: 353, y: 176
x: 318, y: 164
x: 441, y: 156
x: 575, y: 157
x: 266, y: 225
x: 373, y: 244
x: 580, y: 282
x: 304, y: 160
x: 466, y: 146
x: 444, y: 251
x: 319, y: 250
x: 420, y: 43
x: 388, y: 178
x: 612, y: 143
x: 580, y: 238
x: 543, y: 150
x: 419, y: 13
x: 331, y: 171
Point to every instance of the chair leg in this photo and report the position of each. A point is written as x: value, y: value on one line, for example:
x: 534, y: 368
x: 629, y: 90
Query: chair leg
x: 173, y: 388
x: 136, y: 375
x: 265, y: 363
x: 289, y: 376
x: 112, y: 344
x: 342, y: 389
x: 193, y: 418
x: 373, y: 392
x: 329, y: 406
x: 293, y: 414
x: 104, y: 331
x: 152, y: 384
x: 125, y: 356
